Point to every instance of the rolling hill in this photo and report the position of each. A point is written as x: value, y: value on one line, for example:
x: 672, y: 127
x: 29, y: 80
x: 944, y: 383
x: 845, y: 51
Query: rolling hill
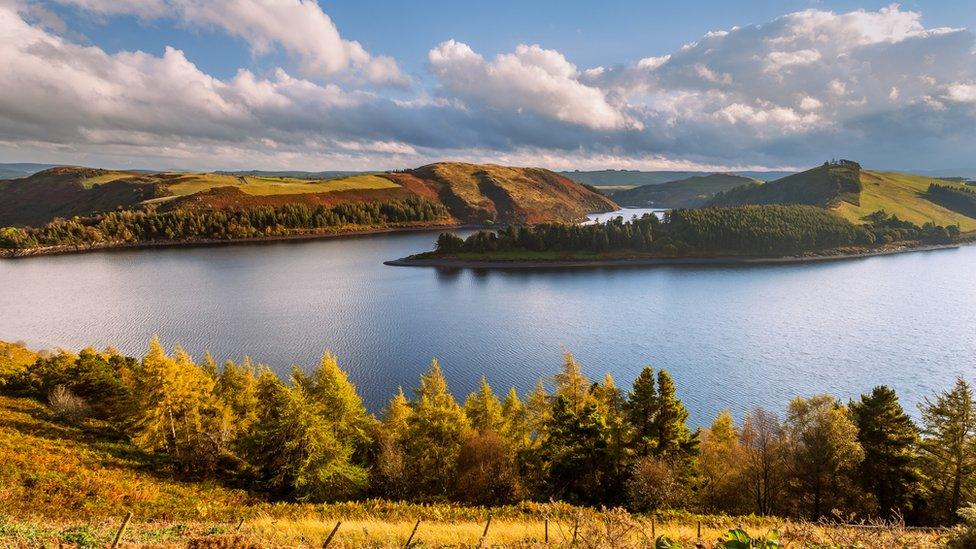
x: 472, y: 193
x: 853, y: 193
x: 684, y: 193
x: 626, y: 179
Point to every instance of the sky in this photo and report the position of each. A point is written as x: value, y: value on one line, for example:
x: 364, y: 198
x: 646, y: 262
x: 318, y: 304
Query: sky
x: 370, y: 84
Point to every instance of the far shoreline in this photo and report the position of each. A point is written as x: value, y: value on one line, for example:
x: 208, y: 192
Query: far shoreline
x: 207, y: 242
x: 519, y: 264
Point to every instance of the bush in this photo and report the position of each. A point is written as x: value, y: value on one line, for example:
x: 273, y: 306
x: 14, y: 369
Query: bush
x: 655, y: 484
x: 67, y: 405
x: 964, y: 536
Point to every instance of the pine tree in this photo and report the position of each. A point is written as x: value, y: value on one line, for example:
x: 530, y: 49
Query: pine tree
x: 483, y: 408
x: 641, y: 409
x: 889, y: 438
x: 436, y: 429
x: 949, y: 431
x: 338, y: 401
x: 674, y: 439
x: 577, y: 453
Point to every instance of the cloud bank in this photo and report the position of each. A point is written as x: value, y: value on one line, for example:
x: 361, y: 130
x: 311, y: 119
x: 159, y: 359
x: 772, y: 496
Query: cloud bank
x: 878, y: 86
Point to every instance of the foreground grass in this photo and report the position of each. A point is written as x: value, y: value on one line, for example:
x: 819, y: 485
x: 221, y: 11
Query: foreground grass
x: 902, y: 195
x: 71, y: 484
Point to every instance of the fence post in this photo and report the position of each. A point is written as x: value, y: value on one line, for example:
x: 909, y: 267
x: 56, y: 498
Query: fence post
x: 239, y: 525
x: 118, y: 535
x: 653, y: 529
x: 547, y: 531
x: 412, y: 532
x: 328, y: 540
x: 485, y: 533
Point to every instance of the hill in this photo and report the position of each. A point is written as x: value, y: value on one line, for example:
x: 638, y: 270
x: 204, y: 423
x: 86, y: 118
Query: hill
x: 471, y: 193
x: 625, y: 179
x: 824, y: 186
x: 684, y: 193
x: 854, y: 193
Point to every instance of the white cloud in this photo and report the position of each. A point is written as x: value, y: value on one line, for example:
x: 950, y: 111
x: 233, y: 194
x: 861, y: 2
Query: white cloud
x: 299, y: 27
x: 531, y: 79
x: 776, y: 60
x: 963, y: 93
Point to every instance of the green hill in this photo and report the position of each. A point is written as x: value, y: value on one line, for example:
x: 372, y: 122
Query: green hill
x: 627, y: 179
x: 854, y: 193
x: 685, y: 193
x: 824, y: 186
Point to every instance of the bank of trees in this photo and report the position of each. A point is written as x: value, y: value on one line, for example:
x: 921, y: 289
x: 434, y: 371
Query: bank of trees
x: 959, y: 199
x: 132, y: 226
x: 310, y: 438
x: 746, y: 230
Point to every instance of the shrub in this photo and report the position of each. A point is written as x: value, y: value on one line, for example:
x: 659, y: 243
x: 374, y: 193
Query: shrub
x: 67, y: 405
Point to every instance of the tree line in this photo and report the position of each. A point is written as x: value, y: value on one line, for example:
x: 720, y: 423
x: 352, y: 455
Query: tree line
x: 310, y: 438
x: 151, y: 224
x: 957, y: 199
x: 747, y: 230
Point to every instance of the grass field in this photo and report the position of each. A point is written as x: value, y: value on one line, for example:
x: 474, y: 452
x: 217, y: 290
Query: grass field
x: 106, y: 177
x: 902, y: 195
x: 71, y: 484
x: 191, y: 183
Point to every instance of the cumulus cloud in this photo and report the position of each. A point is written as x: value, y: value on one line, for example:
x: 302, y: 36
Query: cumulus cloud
x: 532, y: 78
x: 877, y: 86
x: 299, y: 27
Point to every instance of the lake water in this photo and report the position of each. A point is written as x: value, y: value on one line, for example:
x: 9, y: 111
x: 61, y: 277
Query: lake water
x: 733, y: 337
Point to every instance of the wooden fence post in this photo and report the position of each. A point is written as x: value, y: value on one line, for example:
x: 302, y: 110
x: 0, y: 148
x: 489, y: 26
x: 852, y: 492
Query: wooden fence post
x: 118, y: 535
x: 412, y: 532
x: 239, y: 525
x: 653, y: 529
x: 328, y: 540
x: 547, y: 531
x: 485, y: 533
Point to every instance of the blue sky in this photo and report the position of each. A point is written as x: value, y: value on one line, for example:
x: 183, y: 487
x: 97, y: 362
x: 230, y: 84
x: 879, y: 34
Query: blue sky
x: 291, y: 84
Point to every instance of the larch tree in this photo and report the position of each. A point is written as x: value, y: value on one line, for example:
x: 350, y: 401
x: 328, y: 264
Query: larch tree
x: 515, y: 425
x: 571, y: 384
x: 674, y: 439
x: 721, y: 463
x: 483, y: 408
x: 435, y: 431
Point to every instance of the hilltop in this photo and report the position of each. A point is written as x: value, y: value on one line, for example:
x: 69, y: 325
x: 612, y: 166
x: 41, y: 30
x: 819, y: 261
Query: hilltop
x: 690, y: 192
x: 854, y: 193
x: 471, y: 193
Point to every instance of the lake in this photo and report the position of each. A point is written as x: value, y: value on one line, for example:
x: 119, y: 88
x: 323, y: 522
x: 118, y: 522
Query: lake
x: 732, y: 337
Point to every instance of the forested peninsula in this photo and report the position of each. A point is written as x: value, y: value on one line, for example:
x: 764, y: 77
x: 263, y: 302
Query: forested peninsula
x: 736, y: 234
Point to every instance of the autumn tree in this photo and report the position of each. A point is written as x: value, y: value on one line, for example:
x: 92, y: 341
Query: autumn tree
x: 436, y: 429
x: 764, y: 446
x: 483, y: 408
x: 825, y: 453
x: 721, y: 463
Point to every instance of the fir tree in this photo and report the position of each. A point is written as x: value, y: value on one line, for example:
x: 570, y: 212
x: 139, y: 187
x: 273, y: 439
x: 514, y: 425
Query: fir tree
x: 674, y: 439
x: 641, y: 409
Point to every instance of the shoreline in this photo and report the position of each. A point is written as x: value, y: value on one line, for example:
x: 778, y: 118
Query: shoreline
x: 517, y: 264
x: 204, y: 242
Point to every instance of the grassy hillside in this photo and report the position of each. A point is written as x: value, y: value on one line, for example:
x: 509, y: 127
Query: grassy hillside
x: 824, y: 186
x: 14, y: 357
x: 476, y: 193
x: 71, y: 484
x: 472, y: 193
x: 854, y: 193
x: 905, y: 196
x: 685, y: 193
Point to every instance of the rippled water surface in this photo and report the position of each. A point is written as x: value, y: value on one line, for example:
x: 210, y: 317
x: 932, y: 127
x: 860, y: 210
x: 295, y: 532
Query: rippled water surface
x: 733, y: 337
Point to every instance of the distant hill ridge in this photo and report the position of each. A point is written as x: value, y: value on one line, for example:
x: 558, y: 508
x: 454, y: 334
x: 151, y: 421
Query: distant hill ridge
x: 472, y: 193
x: 825, y: 186
x: 636, y: 178
x: 690, y: 192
